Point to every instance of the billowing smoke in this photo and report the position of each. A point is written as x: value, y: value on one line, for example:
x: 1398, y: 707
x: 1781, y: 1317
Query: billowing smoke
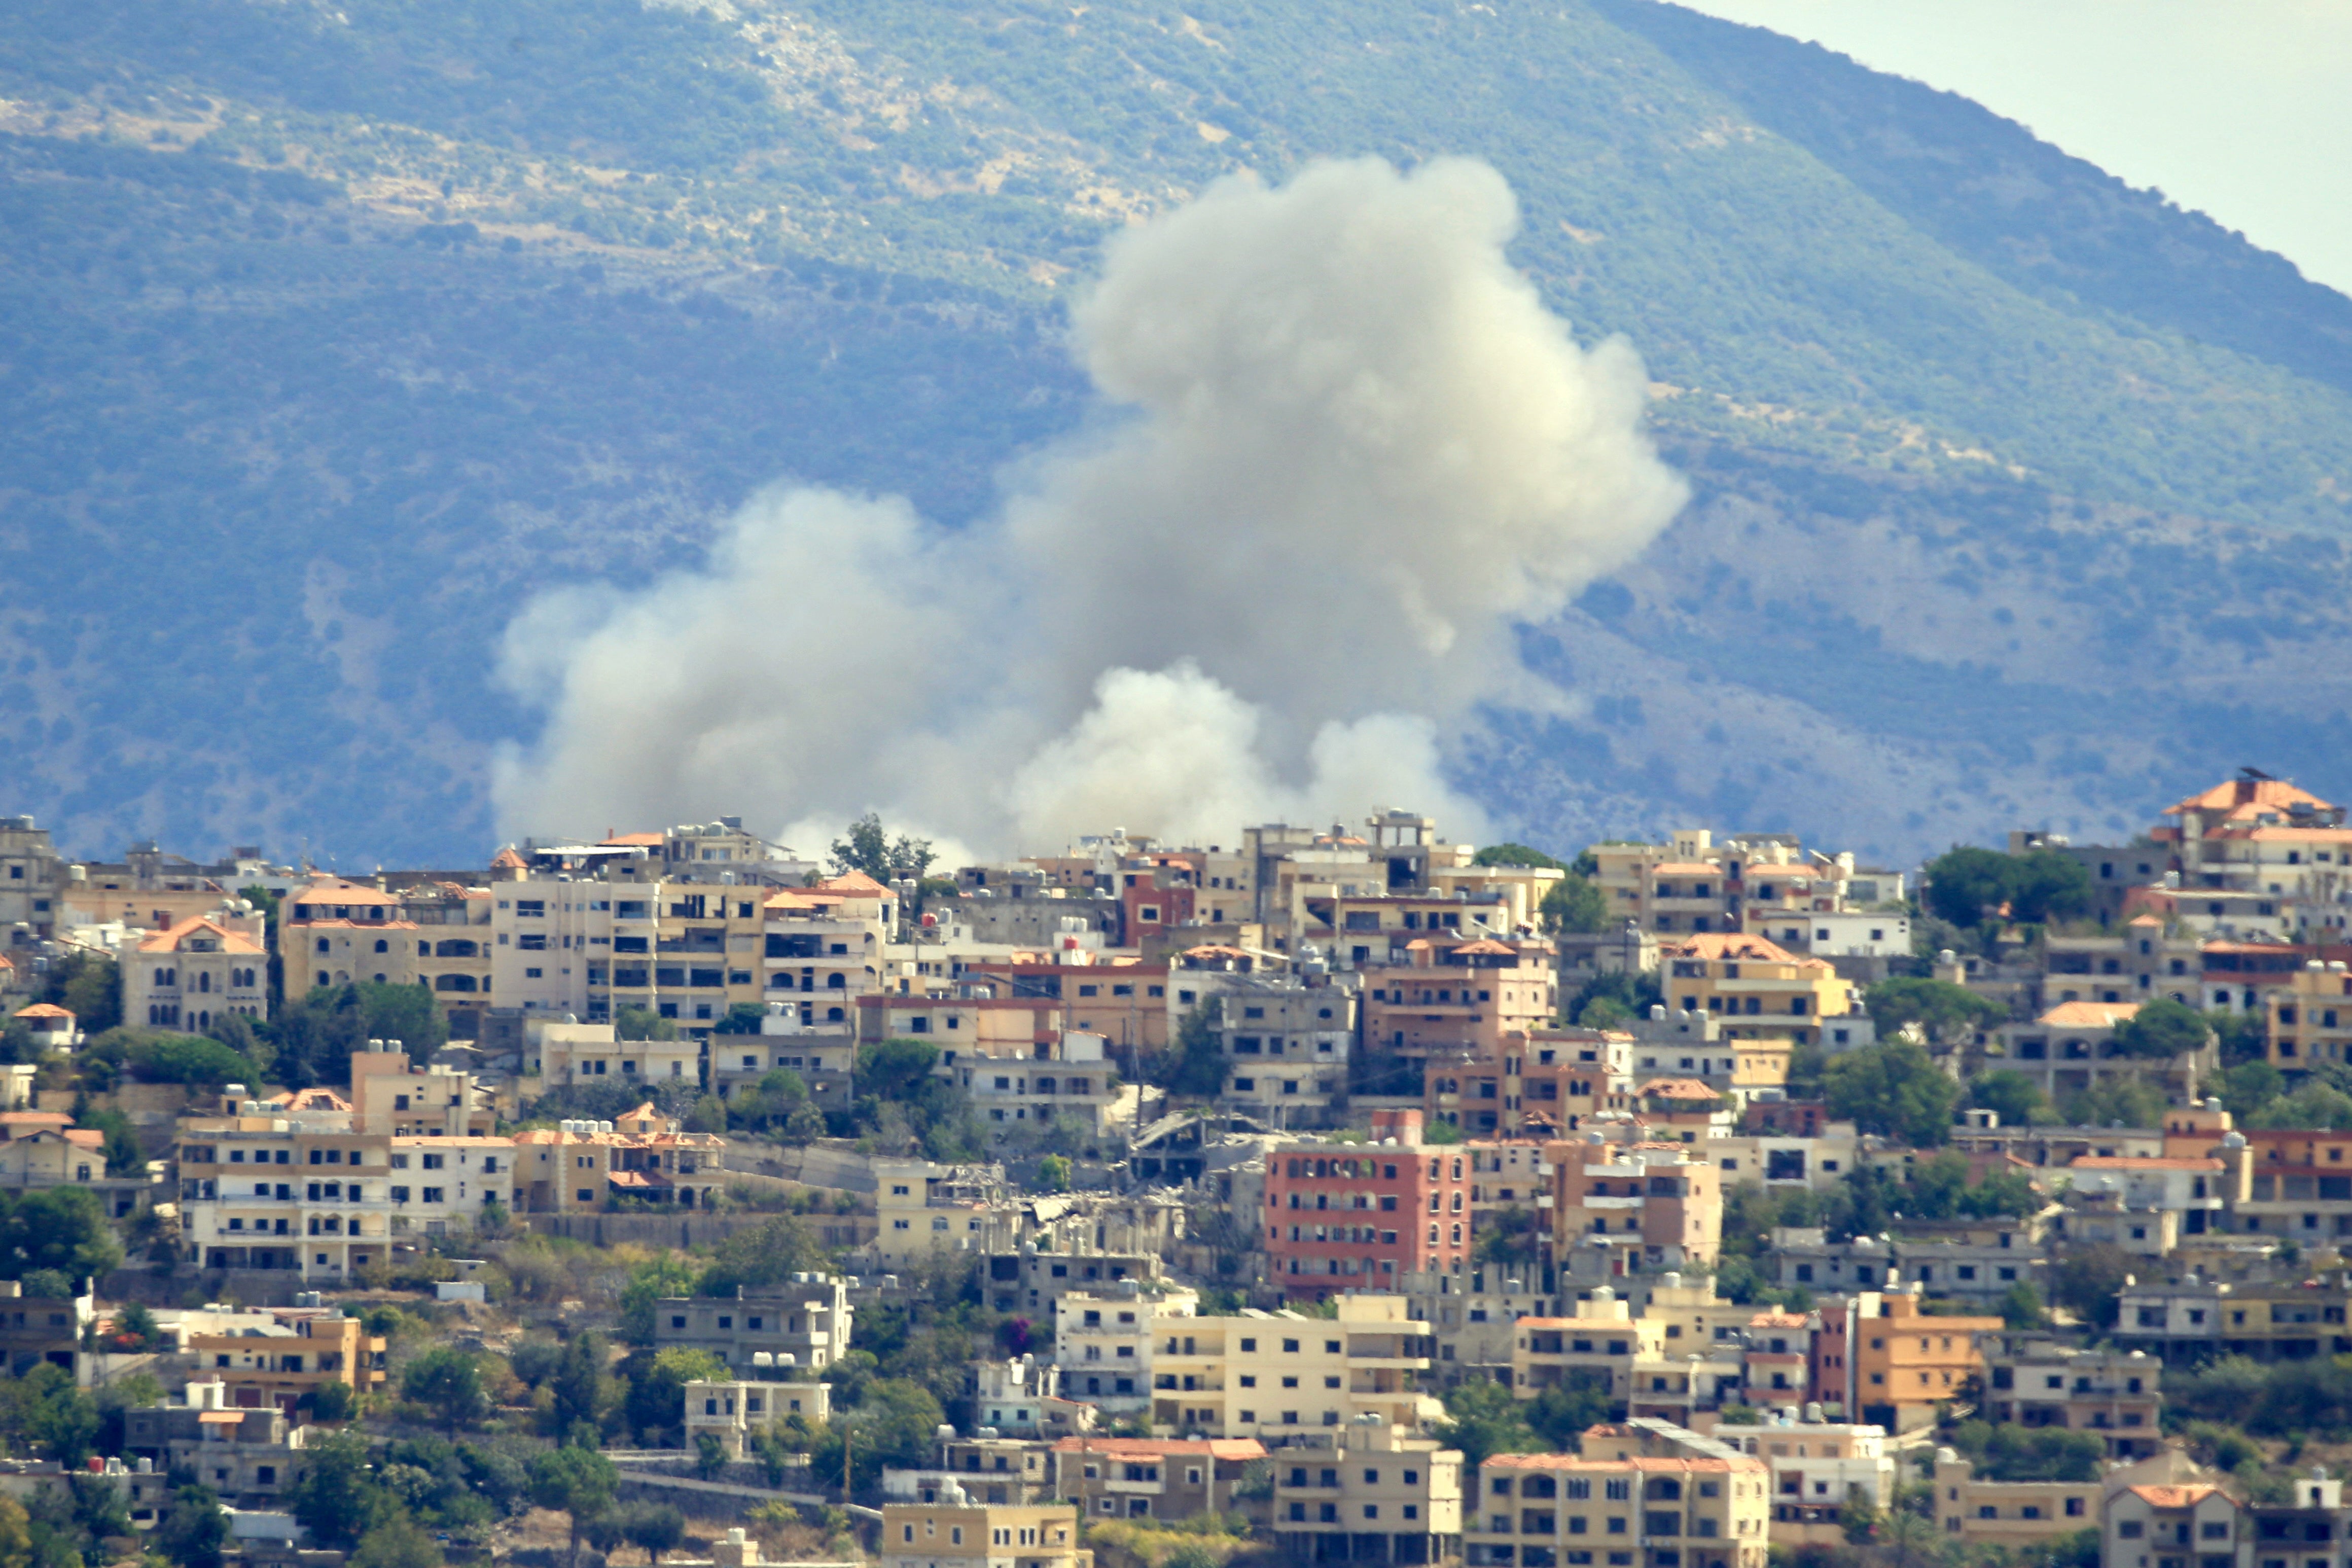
x: 1359, y: 452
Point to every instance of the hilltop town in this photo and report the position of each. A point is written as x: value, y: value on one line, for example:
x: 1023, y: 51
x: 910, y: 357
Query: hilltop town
x: 1335, y: 1195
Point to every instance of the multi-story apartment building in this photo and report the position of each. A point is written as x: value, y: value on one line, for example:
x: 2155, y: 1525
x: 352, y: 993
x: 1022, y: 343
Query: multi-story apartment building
x: 1167, y: 1478
x: 924, y: 1211
x: 435, y: 934
x: 2138, y: 964
x: 1595, y: 1346
x: 203, y: 968
x: 1124, y: 1001
x: 955, y: 1533
x: 2290, y: 1185
x: 2113, y: 1396
x: 1014, y: 1084
x: 2011, y: 1514
x: 1269, y: 1375
x: 389, y: 1095
x: 297, y: 1190
x: 1649, y: 1206
x: 1545, y: 1082
x: 1447, y: 994
x: 2071, y: 1048
x: 2198, y: 1523
x: 1349, y: 1216
x: 36, y: 1330
x: 1034, y: 1281
x: 1103, y: 1342
x: 823, y: 1057
x: 1369, y: 1492
x: 2309, y: 1021
x: 1817, y: 1467
x: 249, y: 1457
x: 32, y: 883
x: 1653, y: 1512
x: 560, y: 1054
x: 1758, y: 988
x: 824, y: 947
x: 2157, y: 1201
x: 276, y: 1367
x: 1883, y: 1359
x: 582, y: 1165
x: 1287, y: 1039
x: 804, y: 1323
x: 2194, y: 1320
x: 1473, y: 1320
x: 735, y: 1413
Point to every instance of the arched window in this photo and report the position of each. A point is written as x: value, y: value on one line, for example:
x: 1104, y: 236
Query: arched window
x: 424, y: 950
x: 381, y: 945
x: 833, y: 1015
x: 204, y: 1020
x: 836, y: 982
x: 204, y: 980
x: 379, y: 980
x: 456, y: 947
x: 453, y: 983
x: 323, y: 944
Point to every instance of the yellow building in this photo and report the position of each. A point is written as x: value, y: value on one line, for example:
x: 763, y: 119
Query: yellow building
x: 2009, y: 1514
x: 1275, y: 1375
x: 2310, y: 1019
x: 1693, y: 1512
x: 308, y: 1348
x: 954, y: 1532
x: 1771, y: 992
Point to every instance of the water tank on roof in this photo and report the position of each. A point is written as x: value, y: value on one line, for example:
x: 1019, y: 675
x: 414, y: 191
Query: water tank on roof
x: 945, y: 1434
x: 1814, y: 1412
x: 603, y: 1127
x: 761, y: 1358
x: 233, y: 1090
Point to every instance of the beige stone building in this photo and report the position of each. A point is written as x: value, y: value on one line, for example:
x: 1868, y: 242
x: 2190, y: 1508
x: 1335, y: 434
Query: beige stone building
x: 1687, y: 1512
x: 200, y: 969
x: 1375, y: 1493
x: 1153, y: 1478
x: 957, y: 1534
x: 1278, y: 1374
x: 2009, y: 1514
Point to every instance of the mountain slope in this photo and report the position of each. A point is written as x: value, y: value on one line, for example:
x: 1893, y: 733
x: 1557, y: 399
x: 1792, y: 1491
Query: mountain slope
x: 327, y: 333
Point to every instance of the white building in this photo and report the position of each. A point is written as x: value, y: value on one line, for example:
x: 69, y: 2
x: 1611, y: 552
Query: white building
x: 560, y: 1053
x: 1011, y: 1395
x: 1817, y: 1466
x: 734, y: 1411
x: 1102, y: 1344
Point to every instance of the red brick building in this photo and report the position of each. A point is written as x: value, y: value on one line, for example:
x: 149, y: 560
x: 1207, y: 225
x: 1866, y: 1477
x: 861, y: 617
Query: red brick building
x: 1359, y: 1216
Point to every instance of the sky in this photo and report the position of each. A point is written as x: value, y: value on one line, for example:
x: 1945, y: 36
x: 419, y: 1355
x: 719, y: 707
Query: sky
x: 2238, y: 108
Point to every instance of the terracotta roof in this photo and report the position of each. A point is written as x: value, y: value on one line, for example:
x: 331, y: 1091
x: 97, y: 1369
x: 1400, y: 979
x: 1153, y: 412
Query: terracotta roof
x: 631, y: 841
x: 1678, y: 1088
x: 169, y: 941
x: 44, y: 1010
x: 855, y: 885
x: 2088, y: 1014
x: 1736, y: 946
x: 1487, y: 945
x: 506, y: 860
x: 1578, y: 1462
x: 2136, y: 1162
x: 310, y: 1099
x: 340, y: 892
x: 2143, y: 921
x: 1686, y: 868
x: 2174, y: 1497
x: 28, y: 1118
x: 220, y: 1417
x: 85, y: 1138
x: 1776, y: 1320
x: 1148, y: 1447
x: 2235, y: 793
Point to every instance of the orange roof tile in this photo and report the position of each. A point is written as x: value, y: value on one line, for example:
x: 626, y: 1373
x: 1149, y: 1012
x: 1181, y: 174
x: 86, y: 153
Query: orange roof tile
x: 631, y: 841
x: 1678, y: 1088
x: 2233, y: 793
x: 2174, y: 1497
x: 169, y: 941
x: 506, y: 860
x: 1149, y: 1448
x: 2137, y: 1162
x: 855, y: 885
x: 1736, y: 946
x: 44, y: 1010
x: 2088, y: 1014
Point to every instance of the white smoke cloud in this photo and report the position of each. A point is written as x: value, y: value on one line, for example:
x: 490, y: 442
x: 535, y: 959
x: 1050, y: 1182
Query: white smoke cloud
x: 1361, y: 452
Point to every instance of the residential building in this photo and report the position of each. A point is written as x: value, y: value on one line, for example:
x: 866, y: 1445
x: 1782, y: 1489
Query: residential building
x: 2193, y: 1320
x: 1287, y: 1039
x: 45, y: 1148
x: 1011, y: 1395
x: 1901, y: 1362
x: 279, y: 1366
x: 1819, y: 1161
x: 823, y: 1057
x: 282, y: 1187
x: 804, y: 1323
x: 391, y: 1095
x: 2201, y: 1521
x: 1369, y: 1492
x: 2147, y: 1206
x: 1345, y: 1216
x: 437, y: 1186
x: 1474, y: 1320
x: 923, y: 1210
x: 824, y: 947
x: 1650, y: 1205
x: 2297, y: 1185
x: 250, y: 1458
x: 32, y: 883
x: 560, y: 1054
x: 1063, y: 1080
x: 1543, y: 1511
x: 1450, y: 992
x: 955, y: 1533
x: 999, y: 1470
x: 1817, y: 1468
x: 1541, y: 1083
x: 1595, y: 1346
x: 1735, y: 1063
x: 1103, y: 1342
x: 334, y: 932
x: 1269, y: 1375
x: 2111, y: 1394
x: 2009, y: 1514
x: 1035, y: 1280
x: 1778, y: 1360
x: 735, y: 1413
x: 1806, y: 1256
x: 36, y: 1330
x: 202, y: 968
x: 2071, y: 1048
x: 1760, y: 988
x: 585, y: 1165
x: 2310, y: 1019
x: 1153, y: 1478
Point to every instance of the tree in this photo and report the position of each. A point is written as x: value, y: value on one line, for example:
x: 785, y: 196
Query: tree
x: 2117, y: 1102
x: 89, y: 986
x: 1966, y: 884
x: 1483, y: 1419
x: 193, y: 1059
x: 869, y: 849
x: 193, y: 1530
x: 582, y: 1388
x: 1054, y: 1173
x: 642, y: 1024
x: 2248, y: 1086
x: 2314, y: 1106
x: 1628, y: 996
x: 1947, y: 1014
x: 2015, y: 1097
x: 16, y: 1534
x: 333, y: 1402
x: 574, y: 1481
x: 1895, y: 1089
x: 2086, y: 1281
x: 767, y: 1254
x: 60, y: 1228
x: 337, y: 1498
x: 2162, y: 1028
x: 710, y: 1455
x: 2021, y: 1308
x: 2046, y: 885
x: 1516, y: 855
x: 648, y: 1283
x: 397, y: 1543
x: 450, y: 1381
x: 1195, y: 1066
x: 135, y: 1329
x: 1574, y: 904
x: 656, y: 1399
x: 1562, y: 1415
x: 654, y: 1527
x: 896, y: 1068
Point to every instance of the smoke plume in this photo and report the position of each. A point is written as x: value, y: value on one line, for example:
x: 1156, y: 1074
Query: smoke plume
x: 1357, y: 451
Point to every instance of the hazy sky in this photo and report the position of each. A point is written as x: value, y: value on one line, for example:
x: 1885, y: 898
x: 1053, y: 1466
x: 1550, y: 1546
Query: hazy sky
x: 2239, y: 109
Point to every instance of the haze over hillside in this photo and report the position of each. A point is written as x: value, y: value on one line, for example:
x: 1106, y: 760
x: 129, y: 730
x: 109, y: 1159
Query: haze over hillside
x: 333, y: 332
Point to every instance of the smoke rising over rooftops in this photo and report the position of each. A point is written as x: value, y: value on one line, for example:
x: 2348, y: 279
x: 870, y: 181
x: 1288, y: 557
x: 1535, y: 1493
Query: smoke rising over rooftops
x: 1359, y: 452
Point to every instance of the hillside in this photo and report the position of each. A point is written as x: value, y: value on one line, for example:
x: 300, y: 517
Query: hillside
x: 330, y: 332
